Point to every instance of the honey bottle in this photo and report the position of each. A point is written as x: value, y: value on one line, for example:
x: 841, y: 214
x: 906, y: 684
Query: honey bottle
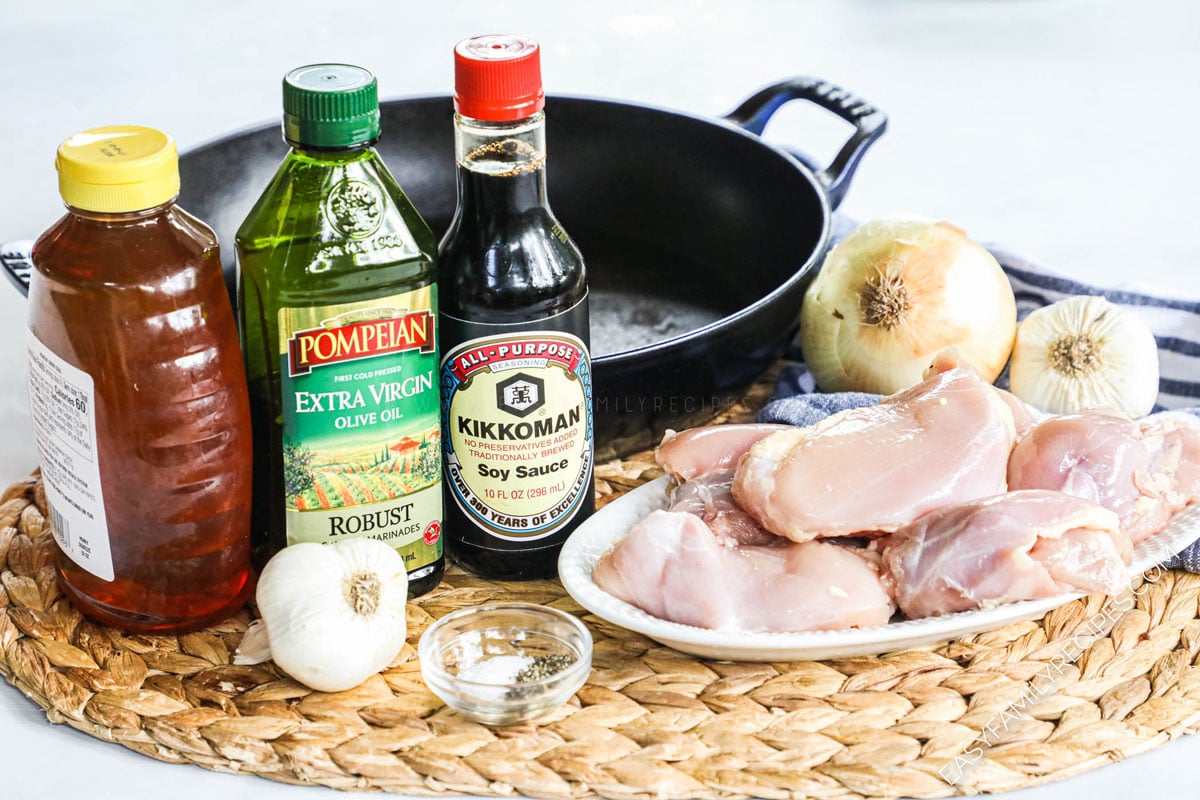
x: 138, y: 393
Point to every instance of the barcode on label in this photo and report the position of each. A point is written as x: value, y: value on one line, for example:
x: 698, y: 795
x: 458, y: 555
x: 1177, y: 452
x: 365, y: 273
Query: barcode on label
x: 62, y: 529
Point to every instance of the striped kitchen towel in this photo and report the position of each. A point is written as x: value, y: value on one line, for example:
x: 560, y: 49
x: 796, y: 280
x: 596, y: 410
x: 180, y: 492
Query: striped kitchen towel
x: 1175, y: 322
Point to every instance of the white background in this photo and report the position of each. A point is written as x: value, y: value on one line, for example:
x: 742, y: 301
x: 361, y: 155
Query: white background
x: 1064, y: 128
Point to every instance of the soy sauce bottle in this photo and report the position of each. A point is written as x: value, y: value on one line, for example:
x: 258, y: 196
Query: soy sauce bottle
x: 516, y: 369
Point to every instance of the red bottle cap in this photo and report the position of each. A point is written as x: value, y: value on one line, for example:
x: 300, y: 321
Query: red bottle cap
x: 498, y: 78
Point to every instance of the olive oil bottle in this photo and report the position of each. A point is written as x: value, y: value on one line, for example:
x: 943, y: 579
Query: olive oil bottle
x: 338, y: 316
x: 516, y: 371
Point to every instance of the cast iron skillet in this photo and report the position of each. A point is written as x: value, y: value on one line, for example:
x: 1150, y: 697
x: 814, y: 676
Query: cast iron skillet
x: 699, y: 237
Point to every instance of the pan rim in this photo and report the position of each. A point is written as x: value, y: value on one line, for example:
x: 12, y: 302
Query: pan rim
x: 718, y: 325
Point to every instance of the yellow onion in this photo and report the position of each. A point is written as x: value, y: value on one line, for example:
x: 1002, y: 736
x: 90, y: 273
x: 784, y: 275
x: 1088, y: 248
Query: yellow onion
x: 895, y: 293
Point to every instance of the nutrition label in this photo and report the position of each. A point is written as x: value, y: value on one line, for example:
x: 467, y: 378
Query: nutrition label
x: 62, y: 399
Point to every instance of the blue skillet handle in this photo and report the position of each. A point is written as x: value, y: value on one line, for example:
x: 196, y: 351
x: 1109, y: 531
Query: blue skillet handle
x: 868, y: 121
x: 17, y: 259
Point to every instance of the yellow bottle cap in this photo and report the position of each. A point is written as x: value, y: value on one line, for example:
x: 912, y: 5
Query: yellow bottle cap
x: 117, y: 169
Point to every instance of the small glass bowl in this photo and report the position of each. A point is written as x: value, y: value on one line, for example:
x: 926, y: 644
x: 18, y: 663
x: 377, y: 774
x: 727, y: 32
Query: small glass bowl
x: 488, y: 644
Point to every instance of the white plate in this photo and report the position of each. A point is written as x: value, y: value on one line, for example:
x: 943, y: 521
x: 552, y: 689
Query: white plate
x: 596, y: 537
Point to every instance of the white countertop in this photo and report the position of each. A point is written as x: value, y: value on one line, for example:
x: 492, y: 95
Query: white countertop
x: 1064, y: 128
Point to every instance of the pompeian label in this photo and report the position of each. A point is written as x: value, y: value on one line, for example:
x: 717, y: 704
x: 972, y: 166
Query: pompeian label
x: 361, y: 428
x: 517, y: 410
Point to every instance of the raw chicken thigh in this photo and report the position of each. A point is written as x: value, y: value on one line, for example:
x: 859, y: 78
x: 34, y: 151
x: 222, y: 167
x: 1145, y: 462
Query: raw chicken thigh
x: 703, y: 459
x: 1016, y: 546
x: 1187, y: 435
x: 1144, y: 473
x: 867, y: 470
x: 974, y: 521
x: 671, y: 566
x: 710, y: 497
x: 694, y: 452
x: 1025, y: 416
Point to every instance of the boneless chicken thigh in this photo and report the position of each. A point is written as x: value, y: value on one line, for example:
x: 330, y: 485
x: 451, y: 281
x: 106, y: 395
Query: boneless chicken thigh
x: 710, y: 497
x: 671, y: 566
x: 972, y: 500
x: 1025, y: 416
x: 1185, y: 435
x: 1016, y: 546
x: 869, y: 470
x: 1144, y: 472
x: 691, y: 453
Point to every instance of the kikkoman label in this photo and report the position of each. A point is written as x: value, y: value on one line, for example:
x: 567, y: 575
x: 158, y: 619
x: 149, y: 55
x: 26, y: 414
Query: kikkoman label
x: 361, y: 429
x: 517, y: 411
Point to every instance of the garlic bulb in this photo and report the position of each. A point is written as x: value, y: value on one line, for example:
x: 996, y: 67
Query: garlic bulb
x: 894, y: 294
x: 1084, y: 352
x: 334, y: 614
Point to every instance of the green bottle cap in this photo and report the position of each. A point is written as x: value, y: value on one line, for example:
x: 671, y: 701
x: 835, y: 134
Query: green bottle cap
x: 330, y: 105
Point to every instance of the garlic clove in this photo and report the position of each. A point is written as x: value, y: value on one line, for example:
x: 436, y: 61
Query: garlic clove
x: 255, y: 647
x: 1085, y: 352
x: 334, y: 614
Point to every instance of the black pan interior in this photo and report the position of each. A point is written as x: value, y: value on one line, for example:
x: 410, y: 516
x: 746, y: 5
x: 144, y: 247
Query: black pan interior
x: 682, y: 220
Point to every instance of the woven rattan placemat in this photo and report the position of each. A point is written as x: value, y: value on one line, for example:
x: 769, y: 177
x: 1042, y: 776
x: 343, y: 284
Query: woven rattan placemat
x: 1093, y: 682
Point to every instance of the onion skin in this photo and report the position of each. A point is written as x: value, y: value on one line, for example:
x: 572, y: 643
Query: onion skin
x: 895, y: 293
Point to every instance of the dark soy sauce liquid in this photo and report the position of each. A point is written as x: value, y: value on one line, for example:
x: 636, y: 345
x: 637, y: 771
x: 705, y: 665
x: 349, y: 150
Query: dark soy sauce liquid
x: 506, y: 259
x: 512, y: 263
